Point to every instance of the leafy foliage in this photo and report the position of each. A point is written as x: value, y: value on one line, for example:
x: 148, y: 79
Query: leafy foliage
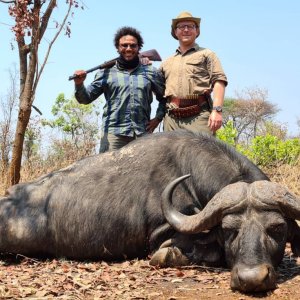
x: 77, y: 121
x: 267, y: 150
x: 228, y: 133
x: 32, y: 139
x: 26, y: 12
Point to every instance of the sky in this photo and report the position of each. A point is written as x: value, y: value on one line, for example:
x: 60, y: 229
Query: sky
x: 257, y: 41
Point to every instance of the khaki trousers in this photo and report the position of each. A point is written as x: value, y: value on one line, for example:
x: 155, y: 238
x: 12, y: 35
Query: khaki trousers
x: 196, y: 123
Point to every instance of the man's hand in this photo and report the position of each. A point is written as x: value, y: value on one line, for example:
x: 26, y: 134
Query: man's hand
x: 145, y: 61
x: 152, y: 124
x: 80, y: 77
x: 215, y: 121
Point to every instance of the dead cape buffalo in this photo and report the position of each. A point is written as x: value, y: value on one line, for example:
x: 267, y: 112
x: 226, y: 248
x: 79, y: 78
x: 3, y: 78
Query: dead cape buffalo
x: 124, y: 204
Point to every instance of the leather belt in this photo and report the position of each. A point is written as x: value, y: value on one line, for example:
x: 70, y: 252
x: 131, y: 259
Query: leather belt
x: 188, y: 106
x: 189, y: 100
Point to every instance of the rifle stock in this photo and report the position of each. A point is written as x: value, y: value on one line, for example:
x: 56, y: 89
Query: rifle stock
x: 151, y: 54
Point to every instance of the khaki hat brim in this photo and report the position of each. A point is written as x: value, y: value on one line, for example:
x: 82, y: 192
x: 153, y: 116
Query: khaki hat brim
x: 175, y: 21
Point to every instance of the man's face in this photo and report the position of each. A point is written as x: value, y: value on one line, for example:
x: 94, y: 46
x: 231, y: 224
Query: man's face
x: 128, y: 47
x: 186, y: 32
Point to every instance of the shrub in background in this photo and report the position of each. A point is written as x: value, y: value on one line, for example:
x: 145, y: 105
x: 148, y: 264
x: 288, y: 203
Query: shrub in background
x: 266, y: 151
x: 270, y: 150
x: 228, y: 134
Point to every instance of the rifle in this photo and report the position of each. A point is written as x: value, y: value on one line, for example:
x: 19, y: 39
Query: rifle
x: 151, y: 54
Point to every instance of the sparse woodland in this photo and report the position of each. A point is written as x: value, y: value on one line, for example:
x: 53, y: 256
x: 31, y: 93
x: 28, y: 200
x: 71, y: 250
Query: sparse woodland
x: 31, y: 146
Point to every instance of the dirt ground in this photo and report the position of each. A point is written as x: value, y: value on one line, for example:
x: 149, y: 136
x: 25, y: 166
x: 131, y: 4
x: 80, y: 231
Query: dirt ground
x: 27, y: 278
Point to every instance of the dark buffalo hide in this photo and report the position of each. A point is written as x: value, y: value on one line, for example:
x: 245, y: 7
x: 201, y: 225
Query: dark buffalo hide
x: 109, y: 206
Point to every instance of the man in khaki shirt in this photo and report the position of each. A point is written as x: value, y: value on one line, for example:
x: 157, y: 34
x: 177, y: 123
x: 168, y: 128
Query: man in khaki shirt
x: 191, y: 74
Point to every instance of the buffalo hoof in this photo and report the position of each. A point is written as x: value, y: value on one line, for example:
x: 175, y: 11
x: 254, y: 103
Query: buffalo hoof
x: 169, y: 257
x: 260, y: 278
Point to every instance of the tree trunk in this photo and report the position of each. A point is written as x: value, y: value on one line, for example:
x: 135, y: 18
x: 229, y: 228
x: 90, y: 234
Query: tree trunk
x: 27, y: 80
x: 29, y: 70
x: 15, y: 165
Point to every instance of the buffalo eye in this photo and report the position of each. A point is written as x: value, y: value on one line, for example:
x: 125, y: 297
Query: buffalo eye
x: 277, y: 231
x: 230, y: 234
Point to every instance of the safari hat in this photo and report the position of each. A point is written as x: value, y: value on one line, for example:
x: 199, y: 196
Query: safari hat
x: 183, y: 16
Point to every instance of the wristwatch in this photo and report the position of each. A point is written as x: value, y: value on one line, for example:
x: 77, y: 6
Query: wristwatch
x: 218, y: 108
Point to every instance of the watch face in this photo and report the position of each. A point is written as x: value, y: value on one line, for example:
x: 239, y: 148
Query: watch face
x: 218, y: 108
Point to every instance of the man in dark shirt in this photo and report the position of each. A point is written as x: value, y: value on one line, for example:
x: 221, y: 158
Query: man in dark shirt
x: 128, y: 88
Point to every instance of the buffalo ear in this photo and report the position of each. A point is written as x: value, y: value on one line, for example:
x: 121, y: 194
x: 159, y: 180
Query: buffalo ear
x: 294, y: 237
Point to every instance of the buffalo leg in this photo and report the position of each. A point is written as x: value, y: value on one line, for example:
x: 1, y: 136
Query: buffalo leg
x: 169, y: 257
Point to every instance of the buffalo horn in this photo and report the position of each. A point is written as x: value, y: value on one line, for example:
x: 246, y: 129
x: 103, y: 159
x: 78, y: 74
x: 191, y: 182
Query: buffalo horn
x: 272, y: 192
x: 212, y: 213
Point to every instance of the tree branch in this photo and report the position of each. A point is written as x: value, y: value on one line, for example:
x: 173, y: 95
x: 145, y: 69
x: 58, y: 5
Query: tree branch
x: 38, y: 73
x: 46, y: 17
x: 23, y: 52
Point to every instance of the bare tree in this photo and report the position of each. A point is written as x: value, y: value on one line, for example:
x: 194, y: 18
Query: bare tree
x: 32, y: 139
x: 8, y: 105
x: 31, y: 22
x: 250, y: 111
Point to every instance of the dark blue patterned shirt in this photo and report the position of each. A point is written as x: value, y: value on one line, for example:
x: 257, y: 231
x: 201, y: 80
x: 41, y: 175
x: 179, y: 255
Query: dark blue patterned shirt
x: 128, y: 97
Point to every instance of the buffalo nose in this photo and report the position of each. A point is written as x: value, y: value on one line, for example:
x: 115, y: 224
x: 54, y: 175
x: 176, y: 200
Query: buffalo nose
x: 255, y: 279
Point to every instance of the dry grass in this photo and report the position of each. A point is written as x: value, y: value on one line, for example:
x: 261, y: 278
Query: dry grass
x: 2, y: 188
x: 64, y: 155
x: 287, y: 175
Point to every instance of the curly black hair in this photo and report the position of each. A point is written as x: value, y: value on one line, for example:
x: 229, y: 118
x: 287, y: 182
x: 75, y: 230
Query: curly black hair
x: 128, y: 31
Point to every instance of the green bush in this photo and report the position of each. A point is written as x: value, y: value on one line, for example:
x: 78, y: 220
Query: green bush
x: 227, y: 134
x: 266, y: 150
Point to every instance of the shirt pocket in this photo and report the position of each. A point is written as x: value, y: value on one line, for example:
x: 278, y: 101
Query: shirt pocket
x: 196, y: 67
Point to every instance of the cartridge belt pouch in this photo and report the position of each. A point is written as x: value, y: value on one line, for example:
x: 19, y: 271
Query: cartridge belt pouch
x: 188, y: 106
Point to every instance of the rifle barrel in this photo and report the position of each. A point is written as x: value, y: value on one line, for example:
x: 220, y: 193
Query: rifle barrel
x: 107, y: 64
x: 151, y: 54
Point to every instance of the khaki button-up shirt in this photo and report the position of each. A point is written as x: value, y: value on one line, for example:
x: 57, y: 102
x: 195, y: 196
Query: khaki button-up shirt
x: 192, y: 72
